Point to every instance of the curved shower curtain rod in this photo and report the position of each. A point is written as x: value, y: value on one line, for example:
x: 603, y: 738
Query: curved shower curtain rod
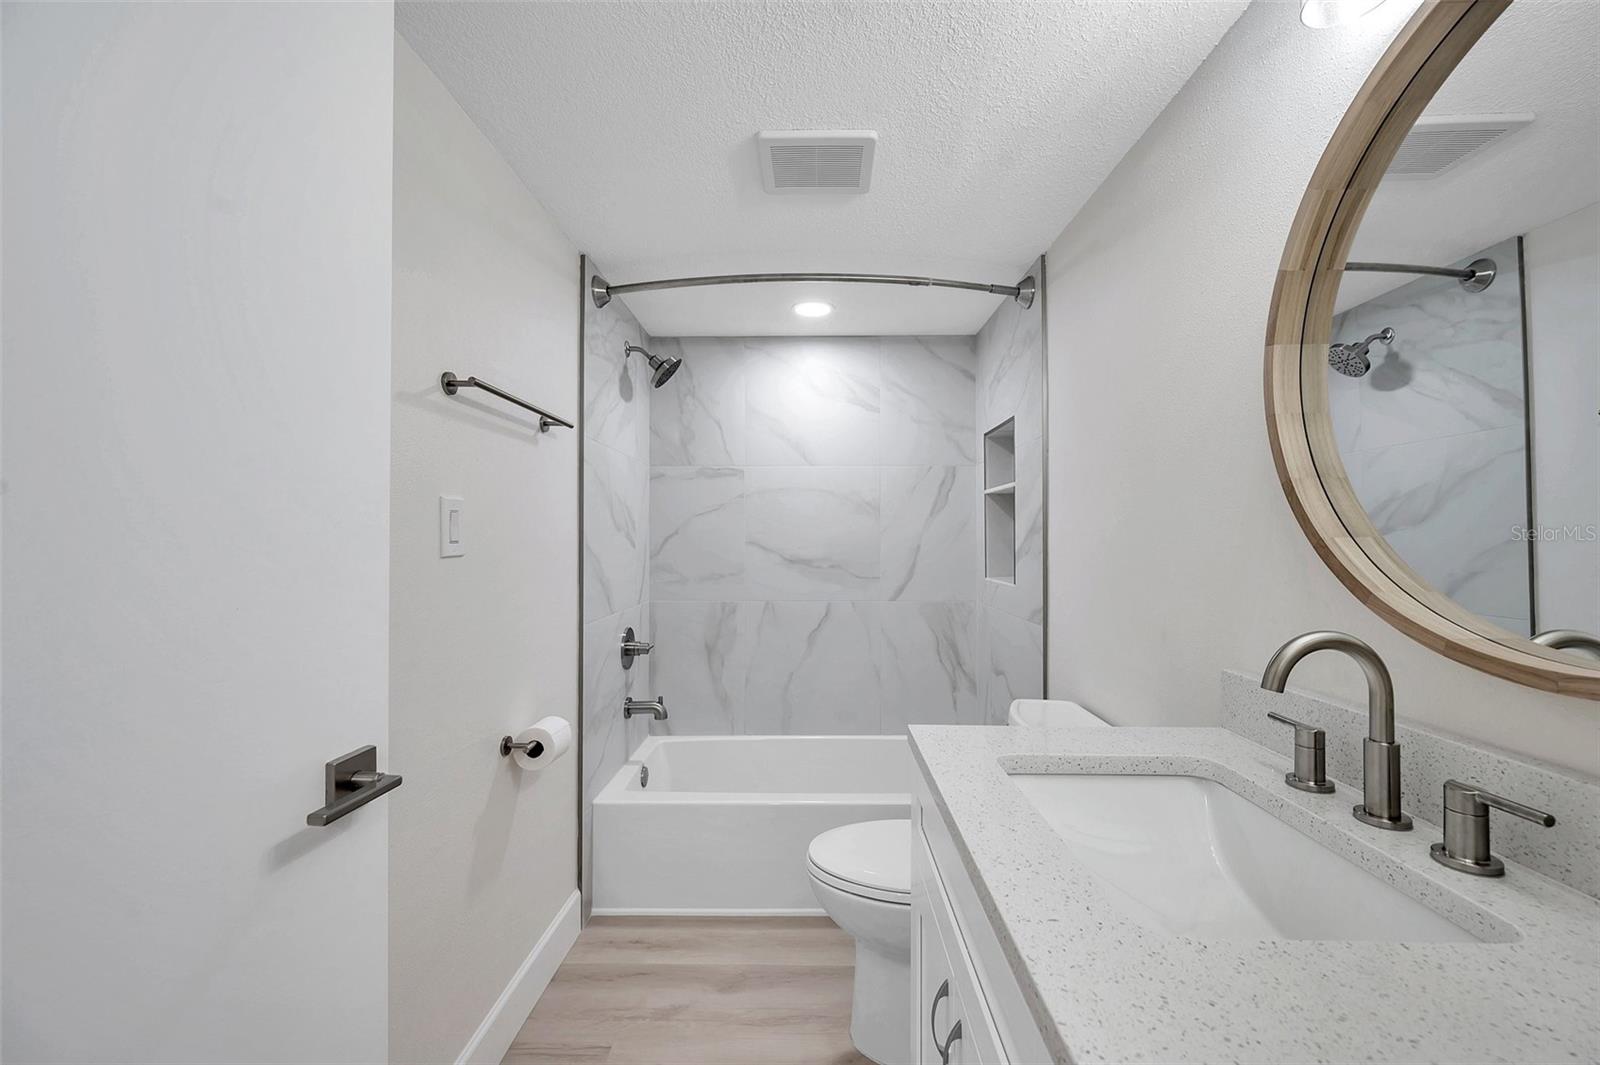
x: 602, y: 290
x: 1474, y: 277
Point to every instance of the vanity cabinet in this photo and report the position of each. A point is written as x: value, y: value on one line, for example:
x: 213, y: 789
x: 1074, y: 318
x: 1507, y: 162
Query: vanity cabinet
x: 951, y: 1030
x: 959, y: 976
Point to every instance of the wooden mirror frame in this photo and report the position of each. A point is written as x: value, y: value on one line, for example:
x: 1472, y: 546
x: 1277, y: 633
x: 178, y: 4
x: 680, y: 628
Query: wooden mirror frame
x: 1309, y: 467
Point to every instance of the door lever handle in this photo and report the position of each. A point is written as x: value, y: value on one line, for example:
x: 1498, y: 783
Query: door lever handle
x: 352, y: 781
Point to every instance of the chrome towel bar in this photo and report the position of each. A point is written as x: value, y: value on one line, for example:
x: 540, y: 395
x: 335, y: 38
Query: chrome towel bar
x: 451, y: 383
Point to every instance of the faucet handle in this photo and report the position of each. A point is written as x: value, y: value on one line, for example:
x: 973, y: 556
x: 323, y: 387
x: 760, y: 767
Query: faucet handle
x: 1466, y: 828
x: 1310, y: 756
x: 633, y: 647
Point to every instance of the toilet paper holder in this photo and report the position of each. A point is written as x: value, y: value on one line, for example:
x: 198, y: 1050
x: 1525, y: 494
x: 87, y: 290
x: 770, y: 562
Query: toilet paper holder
x: 533, y: 748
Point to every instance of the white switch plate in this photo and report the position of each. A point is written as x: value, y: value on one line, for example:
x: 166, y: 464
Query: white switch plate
x: 451, y: 516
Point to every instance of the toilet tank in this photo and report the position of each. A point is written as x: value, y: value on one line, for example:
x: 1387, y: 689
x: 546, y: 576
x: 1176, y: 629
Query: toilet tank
x: 1058, y: 713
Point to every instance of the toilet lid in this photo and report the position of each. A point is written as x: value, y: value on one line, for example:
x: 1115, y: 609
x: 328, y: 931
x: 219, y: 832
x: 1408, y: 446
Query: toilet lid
x: 872, y: 858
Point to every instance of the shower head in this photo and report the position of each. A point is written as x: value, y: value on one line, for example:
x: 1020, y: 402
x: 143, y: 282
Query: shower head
x: 664, y: 368
x: 1351, y: 359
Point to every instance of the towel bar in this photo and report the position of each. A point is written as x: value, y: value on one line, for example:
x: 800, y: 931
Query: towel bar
x: 451, y: 383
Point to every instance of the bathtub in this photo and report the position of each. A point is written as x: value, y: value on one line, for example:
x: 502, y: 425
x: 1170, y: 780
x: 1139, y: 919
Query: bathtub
x: 723, y: 823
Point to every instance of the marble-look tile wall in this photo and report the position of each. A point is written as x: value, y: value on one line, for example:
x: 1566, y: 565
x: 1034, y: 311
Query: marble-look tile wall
x: 1010, y: 615
x: 616, y: 530
x: 1434, y: 437
x: 813, y: 535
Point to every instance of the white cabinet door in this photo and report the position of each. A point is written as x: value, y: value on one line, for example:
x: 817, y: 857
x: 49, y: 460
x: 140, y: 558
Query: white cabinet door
x: 948, y: 988
x: 930, y: 970
x: 952, y: 1026
x: 930, y: 1000
x: 937, y: 1006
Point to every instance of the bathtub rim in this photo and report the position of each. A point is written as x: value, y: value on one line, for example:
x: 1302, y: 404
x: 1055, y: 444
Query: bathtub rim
x: 617, y: 792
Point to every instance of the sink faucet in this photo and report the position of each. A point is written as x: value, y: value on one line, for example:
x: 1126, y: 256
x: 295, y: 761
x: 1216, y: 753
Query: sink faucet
x: 1570, y: 639
x: 1380, y: 754
x: 656, y: 708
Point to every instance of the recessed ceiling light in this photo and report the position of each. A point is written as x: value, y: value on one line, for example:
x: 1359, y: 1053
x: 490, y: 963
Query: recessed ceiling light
x: 1324, y: 14
x: 813, y: 309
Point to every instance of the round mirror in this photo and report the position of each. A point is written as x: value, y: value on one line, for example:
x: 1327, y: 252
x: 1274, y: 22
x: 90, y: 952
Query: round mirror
x: 1433, y: 362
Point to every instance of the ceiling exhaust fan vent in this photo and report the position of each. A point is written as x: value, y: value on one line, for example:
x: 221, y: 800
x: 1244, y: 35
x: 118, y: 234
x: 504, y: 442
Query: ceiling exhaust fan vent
x: 816, y: 160
x: 1434, y: 145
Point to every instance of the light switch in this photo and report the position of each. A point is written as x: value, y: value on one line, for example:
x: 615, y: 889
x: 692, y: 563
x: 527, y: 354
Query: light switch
x: 451, y: 545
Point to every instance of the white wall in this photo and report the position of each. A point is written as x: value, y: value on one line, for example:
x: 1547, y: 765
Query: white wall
x: 483, y: 855
x: 1174, y: 554
x: 197, y: 279
x: 1562, y: 269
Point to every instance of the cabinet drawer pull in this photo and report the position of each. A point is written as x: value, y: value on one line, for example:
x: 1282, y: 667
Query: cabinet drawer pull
x: 933, y: 1014
x: 950, y: 1041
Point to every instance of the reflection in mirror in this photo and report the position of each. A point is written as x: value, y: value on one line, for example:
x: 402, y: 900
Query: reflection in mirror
x: 1464, y: 365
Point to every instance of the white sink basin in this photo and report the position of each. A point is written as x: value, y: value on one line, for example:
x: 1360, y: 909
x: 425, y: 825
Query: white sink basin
x: 1186, y: 856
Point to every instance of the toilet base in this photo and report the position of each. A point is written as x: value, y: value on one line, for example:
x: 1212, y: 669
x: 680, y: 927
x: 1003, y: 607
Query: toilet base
x: 879, y: 1023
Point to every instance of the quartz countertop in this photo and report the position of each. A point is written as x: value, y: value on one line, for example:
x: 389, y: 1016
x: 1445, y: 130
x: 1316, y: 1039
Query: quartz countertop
x: 1105, y: 989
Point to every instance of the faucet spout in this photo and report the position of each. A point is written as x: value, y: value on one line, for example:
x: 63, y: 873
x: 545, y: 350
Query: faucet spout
x: 1380, y: 754
x: 1380, y: 686
x: 1570, y: 639
x: 656, y: 708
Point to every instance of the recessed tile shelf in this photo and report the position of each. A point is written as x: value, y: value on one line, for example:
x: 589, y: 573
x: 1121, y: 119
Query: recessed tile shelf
x: 1000, y: 502
x: 1000, y: 455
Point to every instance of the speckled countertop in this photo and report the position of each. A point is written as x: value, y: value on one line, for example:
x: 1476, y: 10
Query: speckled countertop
x: 1104, y: 989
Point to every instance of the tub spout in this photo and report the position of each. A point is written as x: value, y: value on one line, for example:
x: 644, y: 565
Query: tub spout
x: 656, y: 708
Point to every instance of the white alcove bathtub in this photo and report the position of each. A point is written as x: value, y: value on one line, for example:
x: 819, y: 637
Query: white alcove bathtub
x: 723, y: 823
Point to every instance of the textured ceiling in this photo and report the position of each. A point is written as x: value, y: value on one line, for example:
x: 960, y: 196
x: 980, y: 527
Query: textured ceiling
x: 634, y: 123
x: 1539, y: 59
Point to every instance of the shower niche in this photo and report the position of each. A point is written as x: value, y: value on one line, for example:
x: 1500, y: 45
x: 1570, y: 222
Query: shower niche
x: 1000, y: 502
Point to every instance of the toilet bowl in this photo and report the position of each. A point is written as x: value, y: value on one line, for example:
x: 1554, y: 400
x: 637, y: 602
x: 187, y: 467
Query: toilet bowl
x: 861, y: 875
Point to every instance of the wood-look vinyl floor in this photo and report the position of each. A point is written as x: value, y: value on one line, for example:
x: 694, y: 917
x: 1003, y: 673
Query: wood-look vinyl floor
x: 697, y: 991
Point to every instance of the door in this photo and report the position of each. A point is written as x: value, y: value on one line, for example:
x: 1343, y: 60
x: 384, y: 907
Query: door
x: 194, y: 605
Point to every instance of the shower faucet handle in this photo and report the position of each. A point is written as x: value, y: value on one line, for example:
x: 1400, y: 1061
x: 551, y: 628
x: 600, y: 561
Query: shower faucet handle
x: 1310, y: 771
x: 633, y: 647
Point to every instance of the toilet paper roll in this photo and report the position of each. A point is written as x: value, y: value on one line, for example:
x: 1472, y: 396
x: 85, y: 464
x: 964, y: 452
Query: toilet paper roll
x: 554, y: 737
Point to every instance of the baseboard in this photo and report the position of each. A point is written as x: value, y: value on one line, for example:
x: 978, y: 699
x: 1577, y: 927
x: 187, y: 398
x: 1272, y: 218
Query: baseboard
x: 658, y: 911
x: 490, y: 1042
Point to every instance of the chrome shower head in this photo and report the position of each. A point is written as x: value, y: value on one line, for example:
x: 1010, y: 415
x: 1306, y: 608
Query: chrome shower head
x: 1351, y: 359
x: 664, y: 368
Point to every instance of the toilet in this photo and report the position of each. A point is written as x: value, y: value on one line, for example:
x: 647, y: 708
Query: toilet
x: 1052, y: 713
x: 861, y: 875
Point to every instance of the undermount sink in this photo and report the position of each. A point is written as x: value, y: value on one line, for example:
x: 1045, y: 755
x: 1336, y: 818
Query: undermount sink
x: 1186, y: 856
